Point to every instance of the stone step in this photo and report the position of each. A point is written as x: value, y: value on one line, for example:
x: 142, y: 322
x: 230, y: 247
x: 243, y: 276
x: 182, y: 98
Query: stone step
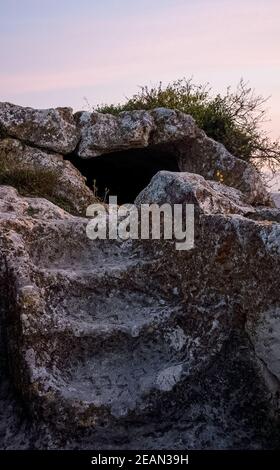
x: 65, y: 245
x: 113, y: 382
x: 111, y: 338
x: 103, y: 300
x: 59, y: 284
x: 105, y: 339
x: 110, y: 315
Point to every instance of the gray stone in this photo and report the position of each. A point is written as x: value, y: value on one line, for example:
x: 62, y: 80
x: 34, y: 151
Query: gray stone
x: 14, y: 205
x: 264, y: 333
x: 109, y: 331
x: 104, y: 133
x: 187, y: 188
x: 111, y: 344
x: 276, y: 199
x: 52, y: 129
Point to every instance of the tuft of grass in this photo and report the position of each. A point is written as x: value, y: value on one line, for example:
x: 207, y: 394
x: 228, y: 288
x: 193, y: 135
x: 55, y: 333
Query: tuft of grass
x: 30, y: 181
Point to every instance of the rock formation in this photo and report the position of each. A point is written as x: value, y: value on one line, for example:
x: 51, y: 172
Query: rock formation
x: 133, y: 343
x: 68, y: 185
x: 52, y: 129
x: 91, y: 134
x: 189, y: 145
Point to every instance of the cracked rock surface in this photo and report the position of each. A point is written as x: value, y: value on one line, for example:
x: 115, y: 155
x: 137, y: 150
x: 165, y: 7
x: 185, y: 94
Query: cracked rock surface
x: 52, y: 129
x: 111, y: 337
x: 111, y: 344
x: 87, y: 135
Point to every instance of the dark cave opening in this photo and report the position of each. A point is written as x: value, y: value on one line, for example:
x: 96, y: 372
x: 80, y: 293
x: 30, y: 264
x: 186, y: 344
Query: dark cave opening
x: 125, y: 173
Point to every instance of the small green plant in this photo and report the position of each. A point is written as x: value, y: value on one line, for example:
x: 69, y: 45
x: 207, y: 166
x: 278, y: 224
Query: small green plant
x: 96, y: 193
x: 234, y: 119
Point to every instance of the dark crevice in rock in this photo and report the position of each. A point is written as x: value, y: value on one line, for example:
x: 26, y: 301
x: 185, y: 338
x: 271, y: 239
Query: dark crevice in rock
x: 15, y: 427
x: 125, y: 173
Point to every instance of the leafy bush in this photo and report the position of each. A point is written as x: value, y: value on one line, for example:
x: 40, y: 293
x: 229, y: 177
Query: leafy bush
x: 235, y: 119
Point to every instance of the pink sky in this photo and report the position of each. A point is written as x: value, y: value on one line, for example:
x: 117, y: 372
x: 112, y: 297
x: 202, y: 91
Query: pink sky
x: 56, y: 53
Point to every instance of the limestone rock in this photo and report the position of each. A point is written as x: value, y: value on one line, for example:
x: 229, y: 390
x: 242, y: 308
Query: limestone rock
x: 126, y: 338
x: 187, y: 188
x: 171, y: 126
x: 264, y: 331
x: 210, y: 159
x: 178, y: 134
x: 12, y: 205
x: 276, y: 199
x: 52, y: 129
x: 110, y: 331
x: 103, y: 336
x: 104, y: 133
x: 265, y: 214
x: 68, y: 185
x: 97, y: 134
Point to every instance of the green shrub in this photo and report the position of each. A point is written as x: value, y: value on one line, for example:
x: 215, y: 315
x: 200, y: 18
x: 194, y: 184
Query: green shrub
x: 235, y: 118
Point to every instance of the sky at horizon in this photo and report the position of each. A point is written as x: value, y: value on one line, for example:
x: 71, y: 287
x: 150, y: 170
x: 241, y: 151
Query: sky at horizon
x: 56, y: 53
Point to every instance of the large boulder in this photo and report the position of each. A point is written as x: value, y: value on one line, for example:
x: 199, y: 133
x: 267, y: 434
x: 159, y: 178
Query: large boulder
x: 161, y: 129
x: 234, y: 264
x: 65, y: 185
x: 52, y: 129
x: 212, y: 160
x: 105, y: 133
x: 210, y: 197
x: 109, y: 335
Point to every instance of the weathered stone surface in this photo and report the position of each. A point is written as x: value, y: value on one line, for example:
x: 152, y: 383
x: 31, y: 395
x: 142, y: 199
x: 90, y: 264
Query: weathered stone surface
x: 265, y: 213
x: 264, y: 333
x: 171, y: 126
x: 107, y: 336
x: 210, y: 159
x: 14, y: 205
x: 52, y: 129
x: 69, y: 184
x: 180, y: 136
x: 187, y: 188
x: 276, y: 199
x: 97, y: 134
x: 104, y: 133
x: 110, y: 331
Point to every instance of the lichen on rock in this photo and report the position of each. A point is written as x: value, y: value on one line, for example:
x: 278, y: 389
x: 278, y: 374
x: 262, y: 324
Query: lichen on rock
x: 100, y: 337
x: 52, y: 129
